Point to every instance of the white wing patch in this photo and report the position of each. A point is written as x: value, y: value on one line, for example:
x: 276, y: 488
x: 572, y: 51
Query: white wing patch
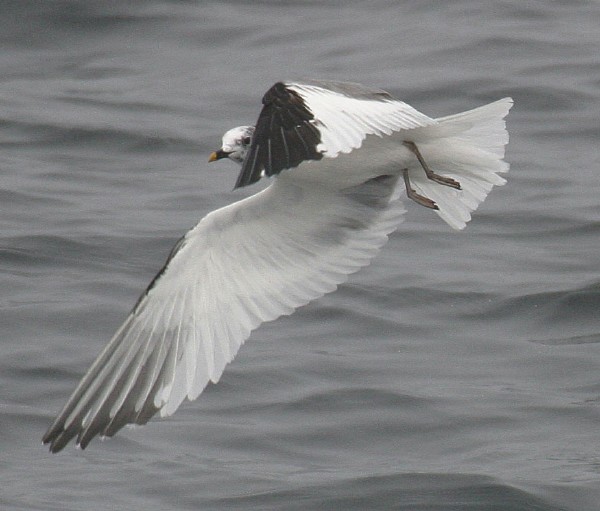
x: 345, y: 121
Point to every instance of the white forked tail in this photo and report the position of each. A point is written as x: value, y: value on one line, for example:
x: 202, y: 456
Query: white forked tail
x: 468, y: 147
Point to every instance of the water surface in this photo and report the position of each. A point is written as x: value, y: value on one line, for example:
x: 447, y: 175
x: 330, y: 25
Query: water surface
x: 458, y: 371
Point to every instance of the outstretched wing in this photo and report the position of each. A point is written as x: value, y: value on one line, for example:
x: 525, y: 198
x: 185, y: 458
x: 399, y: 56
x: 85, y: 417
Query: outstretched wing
x: 244, y: 264
x: 316, y: 119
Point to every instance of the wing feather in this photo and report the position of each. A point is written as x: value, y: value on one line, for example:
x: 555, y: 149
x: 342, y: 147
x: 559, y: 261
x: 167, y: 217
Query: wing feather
x: 347, y: 113
x: 240, y: 266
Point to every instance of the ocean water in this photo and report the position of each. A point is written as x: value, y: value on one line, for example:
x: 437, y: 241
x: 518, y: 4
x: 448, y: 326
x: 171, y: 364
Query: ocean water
x: 460, y: 371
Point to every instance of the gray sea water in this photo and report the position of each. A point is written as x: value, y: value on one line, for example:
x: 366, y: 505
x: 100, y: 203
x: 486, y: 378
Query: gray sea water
x: 460, y: 371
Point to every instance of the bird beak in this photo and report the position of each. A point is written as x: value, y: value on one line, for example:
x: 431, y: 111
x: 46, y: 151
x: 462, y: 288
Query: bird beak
x: 217, y: 155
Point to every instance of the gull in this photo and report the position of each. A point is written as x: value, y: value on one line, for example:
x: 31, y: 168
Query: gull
x: 340, y: 157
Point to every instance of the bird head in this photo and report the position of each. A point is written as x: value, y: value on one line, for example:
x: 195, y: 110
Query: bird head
x: 236, y: 143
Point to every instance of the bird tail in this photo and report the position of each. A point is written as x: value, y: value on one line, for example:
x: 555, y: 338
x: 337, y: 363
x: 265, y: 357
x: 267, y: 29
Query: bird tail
x: 468, y: 147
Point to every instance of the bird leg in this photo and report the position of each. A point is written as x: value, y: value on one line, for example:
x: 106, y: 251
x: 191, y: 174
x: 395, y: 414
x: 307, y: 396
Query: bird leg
x: 447, y: 181
x: 411, y: 194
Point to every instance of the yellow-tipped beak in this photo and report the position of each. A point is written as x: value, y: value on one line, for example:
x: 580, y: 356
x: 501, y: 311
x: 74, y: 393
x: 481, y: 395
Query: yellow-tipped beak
x: 217, y: 155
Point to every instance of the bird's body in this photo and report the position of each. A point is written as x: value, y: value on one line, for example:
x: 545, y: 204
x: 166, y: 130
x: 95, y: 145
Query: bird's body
x: 341, y: 156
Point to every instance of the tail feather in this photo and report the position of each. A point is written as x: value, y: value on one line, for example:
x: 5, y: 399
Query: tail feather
x: 468, y: 147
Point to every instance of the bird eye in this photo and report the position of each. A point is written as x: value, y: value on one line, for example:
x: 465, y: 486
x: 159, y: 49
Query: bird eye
x: 246, y: 140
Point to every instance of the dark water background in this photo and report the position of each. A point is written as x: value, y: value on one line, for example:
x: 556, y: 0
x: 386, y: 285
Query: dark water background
x: 459, y: 371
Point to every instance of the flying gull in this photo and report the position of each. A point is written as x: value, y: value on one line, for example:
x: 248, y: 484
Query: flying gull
x: 340, y: 156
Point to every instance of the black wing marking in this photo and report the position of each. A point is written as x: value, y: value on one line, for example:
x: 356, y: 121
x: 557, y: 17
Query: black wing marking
x: 286, y: 134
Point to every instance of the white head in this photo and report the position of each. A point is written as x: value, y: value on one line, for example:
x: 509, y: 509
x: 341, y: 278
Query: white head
x: 236, y: 143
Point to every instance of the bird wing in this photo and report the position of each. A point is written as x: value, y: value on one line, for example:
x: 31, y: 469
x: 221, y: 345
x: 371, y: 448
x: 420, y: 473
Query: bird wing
x: 243, y: 264
x: 303, y: 121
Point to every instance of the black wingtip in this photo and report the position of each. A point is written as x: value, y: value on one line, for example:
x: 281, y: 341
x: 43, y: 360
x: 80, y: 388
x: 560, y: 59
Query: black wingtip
x: 286, y: 134
x: 251, y: 167
x: 58, y: 442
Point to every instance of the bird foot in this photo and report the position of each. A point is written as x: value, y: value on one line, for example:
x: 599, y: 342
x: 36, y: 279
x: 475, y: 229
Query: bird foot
x: 443, y: 180
x: 411, y: 194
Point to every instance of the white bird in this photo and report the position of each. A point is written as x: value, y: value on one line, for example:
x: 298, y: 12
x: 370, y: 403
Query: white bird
x: 340, y: 155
